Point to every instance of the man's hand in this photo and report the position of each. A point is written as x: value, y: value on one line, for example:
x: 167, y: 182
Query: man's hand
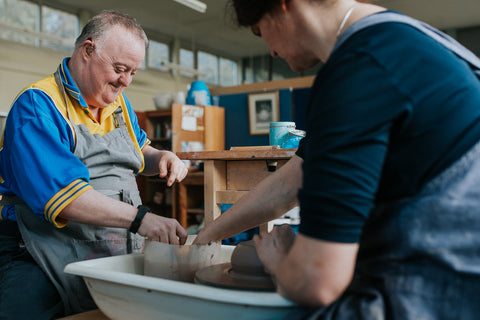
x: 164, y: 163
x: 162, y: 229
x: 171, y: 167
x: 273, y: 247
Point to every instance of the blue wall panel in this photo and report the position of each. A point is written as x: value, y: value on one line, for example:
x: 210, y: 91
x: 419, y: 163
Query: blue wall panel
x: 292, y: 108
x: 237, y: 132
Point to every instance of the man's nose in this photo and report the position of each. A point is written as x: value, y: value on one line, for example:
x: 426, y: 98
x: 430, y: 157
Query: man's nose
x: 125, y: 79
x: 273, y: 53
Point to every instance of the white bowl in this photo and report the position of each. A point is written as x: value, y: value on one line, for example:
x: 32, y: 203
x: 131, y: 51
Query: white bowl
x: 163, y: 100
x: 121, y: 291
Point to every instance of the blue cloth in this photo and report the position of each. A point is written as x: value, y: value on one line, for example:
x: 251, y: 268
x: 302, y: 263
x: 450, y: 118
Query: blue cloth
x: 37, y: 162
x: 390, y: 110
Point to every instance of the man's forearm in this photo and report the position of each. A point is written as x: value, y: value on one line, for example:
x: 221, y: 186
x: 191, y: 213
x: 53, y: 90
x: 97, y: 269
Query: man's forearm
x: 94, y: 208
x: 271, y: 198
x: 323, y: 270
x: 151, y: 157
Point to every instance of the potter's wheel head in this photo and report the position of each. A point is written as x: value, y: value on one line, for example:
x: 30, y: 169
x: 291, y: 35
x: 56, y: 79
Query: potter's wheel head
x: 223, y: 276
x: 244, y: 272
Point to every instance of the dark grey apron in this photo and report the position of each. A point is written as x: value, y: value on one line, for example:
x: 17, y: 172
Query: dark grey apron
x: 112, y: 161
x: 419, y: 257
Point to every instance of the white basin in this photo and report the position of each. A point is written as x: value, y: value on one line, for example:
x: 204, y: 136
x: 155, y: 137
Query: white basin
x: 121, y: 291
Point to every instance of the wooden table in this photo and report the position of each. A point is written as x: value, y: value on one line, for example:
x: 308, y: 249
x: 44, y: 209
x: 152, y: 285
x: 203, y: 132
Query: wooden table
x: 229, y: 174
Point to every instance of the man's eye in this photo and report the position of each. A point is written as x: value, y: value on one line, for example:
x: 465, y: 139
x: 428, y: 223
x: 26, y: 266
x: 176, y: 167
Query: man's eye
x: 120, y: 69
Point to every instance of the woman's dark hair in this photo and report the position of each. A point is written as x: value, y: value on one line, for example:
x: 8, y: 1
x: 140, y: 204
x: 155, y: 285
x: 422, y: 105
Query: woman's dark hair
x: 249, y: 12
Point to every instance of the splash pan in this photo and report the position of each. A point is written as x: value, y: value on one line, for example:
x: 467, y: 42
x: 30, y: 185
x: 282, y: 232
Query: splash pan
x: 122, y: 291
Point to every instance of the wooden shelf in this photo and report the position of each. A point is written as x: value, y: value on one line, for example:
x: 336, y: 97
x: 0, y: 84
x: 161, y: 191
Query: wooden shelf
x: 160, y: 139
x: 165, y: 131
x: 195, y: 211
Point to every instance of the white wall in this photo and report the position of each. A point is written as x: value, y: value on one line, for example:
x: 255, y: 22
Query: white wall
x: 20, y: 65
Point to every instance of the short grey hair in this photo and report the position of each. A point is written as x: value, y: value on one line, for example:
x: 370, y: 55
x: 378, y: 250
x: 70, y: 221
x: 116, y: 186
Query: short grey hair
x: 105, y: 20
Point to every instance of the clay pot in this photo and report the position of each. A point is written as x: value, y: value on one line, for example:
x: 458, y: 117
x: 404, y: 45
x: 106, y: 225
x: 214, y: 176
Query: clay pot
x: 245, y: 260
x: 245, y: 271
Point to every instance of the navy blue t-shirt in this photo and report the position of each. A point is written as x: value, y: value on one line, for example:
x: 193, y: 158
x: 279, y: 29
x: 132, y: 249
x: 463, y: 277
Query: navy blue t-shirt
x: 390, y: 110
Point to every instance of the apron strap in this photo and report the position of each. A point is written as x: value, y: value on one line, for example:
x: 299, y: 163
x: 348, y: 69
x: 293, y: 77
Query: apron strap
x: 61, y: 87
x: 118, y: 120
x: 442, y: 38
x: 59, y: 82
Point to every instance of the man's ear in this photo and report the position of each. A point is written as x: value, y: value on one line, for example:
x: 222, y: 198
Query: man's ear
x: 89, y: 49
x: 88, y: 46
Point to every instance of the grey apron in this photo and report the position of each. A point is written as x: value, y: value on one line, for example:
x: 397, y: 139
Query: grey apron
x: 419, y: 257
x: 112, y: 161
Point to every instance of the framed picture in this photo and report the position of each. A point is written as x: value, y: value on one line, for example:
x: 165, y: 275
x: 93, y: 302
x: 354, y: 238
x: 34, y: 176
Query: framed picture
x: 263, y: 108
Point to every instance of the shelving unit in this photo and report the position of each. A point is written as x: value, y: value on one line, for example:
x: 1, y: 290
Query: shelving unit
x: 190, y: 199
x: 208, y: 131
x: 168, y: 129
x: 158, y: 126
x: 153, y: 190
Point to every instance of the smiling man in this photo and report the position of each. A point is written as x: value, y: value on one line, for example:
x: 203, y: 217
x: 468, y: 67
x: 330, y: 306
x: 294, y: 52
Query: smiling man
x: 71, y: 151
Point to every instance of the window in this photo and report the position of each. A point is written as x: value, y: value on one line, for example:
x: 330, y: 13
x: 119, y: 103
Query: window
x: 208, y: 64
x: 20, y: 15
x: 158, y: 52
x: 187, y: 61
x: 60, y: 24
x: 21, y: 23
x: 228, y: 72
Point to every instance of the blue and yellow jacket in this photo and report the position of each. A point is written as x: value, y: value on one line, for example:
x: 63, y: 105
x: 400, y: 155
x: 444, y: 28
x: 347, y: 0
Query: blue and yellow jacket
x: 37, y: 160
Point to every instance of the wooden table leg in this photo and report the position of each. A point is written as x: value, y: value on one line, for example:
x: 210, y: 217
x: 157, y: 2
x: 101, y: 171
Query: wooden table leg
x: 182, y: 205
x: 215, y: 180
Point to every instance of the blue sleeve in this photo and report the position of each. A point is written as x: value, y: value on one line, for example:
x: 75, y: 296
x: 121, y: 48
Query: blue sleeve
x: 37, y: 162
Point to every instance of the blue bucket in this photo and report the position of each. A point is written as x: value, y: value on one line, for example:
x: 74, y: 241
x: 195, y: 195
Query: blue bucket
x: 198, y: 94
x: 279, y: 132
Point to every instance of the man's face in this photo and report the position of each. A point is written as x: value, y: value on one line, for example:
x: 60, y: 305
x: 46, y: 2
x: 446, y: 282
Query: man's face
x: 111, y: 66
x: 285, y: 40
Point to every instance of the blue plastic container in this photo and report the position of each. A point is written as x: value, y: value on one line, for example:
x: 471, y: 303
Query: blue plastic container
x: 279, y: 132
x: 294, y: 137
x: 198, y: 94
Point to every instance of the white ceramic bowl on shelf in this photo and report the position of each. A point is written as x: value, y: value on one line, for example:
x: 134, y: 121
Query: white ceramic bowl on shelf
x: 163, y: 100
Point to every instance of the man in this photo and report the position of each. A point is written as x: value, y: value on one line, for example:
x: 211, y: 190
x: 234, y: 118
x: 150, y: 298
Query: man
x: 389, y: 193
x: 71, y: 151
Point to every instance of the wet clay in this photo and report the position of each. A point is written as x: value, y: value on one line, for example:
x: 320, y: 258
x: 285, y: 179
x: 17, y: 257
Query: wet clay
x: 177, y: 262
x: 244, y: 272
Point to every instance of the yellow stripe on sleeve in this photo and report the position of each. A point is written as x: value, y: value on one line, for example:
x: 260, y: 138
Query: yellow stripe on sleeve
x: 63, y: 198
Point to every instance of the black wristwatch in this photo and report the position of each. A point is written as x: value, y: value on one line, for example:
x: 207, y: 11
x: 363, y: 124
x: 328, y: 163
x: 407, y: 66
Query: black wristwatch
x: 142, y: 211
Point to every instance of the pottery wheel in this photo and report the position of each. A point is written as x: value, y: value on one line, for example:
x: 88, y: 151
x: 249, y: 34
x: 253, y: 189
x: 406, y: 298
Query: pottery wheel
x: 223, y: 276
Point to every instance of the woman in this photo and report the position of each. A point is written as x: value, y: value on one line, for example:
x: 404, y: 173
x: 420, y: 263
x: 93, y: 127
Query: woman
x: 389, y: 195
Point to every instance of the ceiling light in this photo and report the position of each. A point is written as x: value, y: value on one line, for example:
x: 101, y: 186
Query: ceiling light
x: 194, y: 4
